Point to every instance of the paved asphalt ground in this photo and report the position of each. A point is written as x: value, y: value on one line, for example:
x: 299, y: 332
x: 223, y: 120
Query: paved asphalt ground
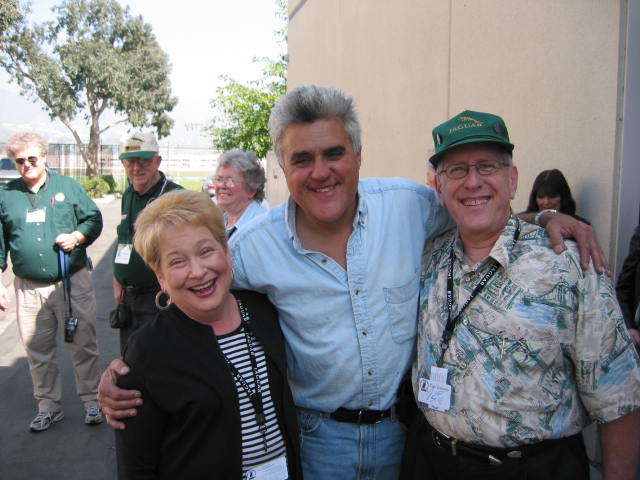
x: 69, y: 450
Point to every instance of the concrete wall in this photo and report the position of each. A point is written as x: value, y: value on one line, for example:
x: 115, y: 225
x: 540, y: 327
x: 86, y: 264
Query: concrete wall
x: 554, y: 70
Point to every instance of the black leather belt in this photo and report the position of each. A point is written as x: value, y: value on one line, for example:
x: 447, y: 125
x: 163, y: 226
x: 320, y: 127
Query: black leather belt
x: 360, y: 417
x: 492, y: 455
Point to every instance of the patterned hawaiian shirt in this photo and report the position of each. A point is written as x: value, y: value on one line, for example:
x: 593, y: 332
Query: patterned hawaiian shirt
x: 540, y: 352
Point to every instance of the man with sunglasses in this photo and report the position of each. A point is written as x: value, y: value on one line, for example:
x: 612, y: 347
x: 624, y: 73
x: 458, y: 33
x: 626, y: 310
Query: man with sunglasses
x: 518, y: 347
x: 134, y: 284
x: 41, y: 214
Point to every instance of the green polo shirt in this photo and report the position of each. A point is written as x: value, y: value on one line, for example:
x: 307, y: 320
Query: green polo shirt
x: 30, y: 223
x: 136, y: 273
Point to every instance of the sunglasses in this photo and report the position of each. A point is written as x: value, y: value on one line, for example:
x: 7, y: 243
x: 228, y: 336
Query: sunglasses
x: 31, y: 160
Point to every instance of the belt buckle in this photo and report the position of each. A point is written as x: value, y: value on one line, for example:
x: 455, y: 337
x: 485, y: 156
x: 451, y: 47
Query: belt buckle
x: 437, y: 438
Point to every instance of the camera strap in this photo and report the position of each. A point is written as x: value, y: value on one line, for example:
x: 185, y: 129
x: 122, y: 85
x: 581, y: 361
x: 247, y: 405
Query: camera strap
x: 63, y: 259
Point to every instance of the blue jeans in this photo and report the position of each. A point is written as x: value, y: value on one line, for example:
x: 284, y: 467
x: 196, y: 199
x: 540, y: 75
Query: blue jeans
x: 337, y: 450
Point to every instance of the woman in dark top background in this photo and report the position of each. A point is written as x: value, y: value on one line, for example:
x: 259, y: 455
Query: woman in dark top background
x: 551, y: 191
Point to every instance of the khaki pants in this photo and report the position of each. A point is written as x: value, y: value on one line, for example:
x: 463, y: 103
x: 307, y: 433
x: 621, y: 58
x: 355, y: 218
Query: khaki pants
x: 40, y: 311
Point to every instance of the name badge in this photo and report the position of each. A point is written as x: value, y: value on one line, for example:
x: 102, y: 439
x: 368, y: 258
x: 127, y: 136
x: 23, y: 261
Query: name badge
x: 123, y: 253
x: 274, y: 470
x: 435, y: 392
x: 37, y: 216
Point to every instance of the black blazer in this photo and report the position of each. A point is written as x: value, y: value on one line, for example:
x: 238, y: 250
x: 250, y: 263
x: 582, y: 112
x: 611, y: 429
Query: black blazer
x: 628, y: 285
x: 189, y: 424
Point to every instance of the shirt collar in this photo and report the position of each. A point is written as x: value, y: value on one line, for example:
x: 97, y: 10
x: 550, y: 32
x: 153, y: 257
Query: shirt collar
x: 153, y: 190
x: 500, y: 251
x: 290, y: 217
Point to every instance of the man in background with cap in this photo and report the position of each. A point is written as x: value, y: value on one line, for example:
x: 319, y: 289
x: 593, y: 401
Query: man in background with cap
x: 134, y: 283
x: 518, y: 347
x: 41, y: 214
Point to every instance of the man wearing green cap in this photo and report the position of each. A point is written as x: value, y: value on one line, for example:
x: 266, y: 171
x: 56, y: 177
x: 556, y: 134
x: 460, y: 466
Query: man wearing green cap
x: 340, y: 260
x: 134, y: 283
x: 518, y: 347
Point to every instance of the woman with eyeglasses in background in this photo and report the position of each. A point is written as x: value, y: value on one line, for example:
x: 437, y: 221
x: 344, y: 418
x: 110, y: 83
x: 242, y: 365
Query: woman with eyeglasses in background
x: 239, y: 186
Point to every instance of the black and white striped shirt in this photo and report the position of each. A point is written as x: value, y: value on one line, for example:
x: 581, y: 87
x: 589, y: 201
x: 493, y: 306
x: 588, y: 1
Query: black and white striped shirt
x: 234, y: 347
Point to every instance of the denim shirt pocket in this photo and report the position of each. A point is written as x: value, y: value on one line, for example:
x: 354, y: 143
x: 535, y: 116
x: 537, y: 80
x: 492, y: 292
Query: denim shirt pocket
x: 402, y: 307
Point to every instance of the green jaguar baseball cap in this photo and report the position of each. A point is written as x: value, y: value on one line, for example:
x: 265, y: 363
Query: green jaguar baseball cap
x: 469, y: 127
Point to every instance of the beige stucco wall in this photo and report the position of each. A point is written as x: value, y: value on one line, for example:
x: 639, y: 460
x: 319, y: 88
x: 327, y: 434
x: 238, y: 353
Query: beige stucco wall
x: 550, y: 68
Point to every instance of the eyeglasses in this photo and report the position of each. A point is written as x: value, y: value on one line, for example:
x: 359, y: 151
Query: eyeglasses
x: 461, y: 170
x: 31, y: 160
x: 229, y: 182
x: 130, y: 162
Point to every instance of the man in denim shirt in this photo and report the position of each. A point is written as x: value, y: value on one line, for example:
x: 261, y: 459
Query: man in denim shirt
x: 340, y: 260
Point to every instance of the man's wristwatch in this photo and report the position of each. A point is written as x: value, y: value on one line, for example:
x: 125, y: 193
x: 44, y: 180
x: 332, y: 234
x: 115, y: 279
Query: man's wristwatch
x: 76, y: 237
x: 536, y: 219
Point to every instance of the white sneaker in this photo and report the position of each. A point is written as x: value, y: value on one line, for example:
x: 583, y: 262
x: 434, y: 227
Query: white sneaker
x: 44, y: 420
x: 93, y: 415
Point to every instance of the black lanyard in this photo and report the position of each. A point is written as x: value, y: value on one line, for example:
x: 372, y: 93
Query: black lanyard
x: 34, y: 197
x: 254, y: 394
x: 452, y: 322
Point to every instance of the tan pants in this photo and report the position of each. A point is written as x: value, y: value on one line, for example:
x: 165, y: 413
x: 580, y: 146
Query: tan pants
x: 40, y: 311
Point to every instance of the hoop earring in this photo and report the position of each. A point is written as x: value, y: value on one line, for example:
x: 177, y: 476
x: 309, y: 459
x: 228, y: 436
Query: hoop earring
x: 158, y: 304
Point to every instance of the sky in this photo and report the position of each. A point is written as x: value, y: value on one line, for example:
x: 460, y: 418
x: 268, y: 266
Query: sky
x: 203, y: 39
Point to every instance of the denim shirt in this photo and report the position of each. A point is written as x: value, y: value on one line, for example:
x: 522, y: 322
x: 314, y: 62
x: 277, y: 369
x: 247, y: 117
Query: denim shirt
x: 350, y: 334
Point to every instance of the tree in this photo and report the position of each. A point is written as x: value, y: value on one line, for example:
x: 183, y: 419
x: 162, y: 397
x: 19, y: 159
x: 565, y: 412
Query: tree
x: 95, y: 57
x: 242, y: 110
x: 11, y: 16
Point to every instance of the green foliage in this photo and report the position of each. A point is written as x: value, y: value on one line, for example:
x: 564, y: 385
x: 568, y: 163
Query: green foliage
x: 242, y: 110
x: 95, y: 56
x: 11, y: 16
x: 194, y: 184
x: 110, y: 181
x: 96, y: 187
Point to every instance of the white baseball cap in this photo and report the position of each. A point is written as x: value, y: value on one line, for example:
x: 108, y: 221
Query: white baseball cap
x: 138, y: 144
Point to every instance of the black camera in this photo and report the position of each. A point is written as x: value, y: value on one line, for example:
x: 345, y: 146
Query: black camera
x: 70, y: 326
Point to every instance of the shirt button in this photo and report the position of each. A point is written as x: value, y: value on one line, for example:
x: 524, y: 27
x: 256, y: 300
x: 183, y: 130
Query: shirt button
x: 356, y: 291
x: 39, y: 239
x: 324, y: 261
x: 44, y: 269
x: 370, y: 404
x: 370, y: 372
x: 365, y: 333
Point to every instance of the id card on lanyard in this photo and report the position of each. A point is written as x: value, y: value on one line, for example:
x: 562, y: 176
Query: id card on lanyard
x: 38, y: 215
x: 123, y: 253
x: 274, y: 470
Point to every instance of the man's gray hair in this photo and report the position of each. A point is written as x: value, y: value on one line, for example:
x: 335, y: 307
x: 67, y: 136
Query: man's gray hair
x: 249, y: 167
x: 308, y: 104
x: 23, y: 140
